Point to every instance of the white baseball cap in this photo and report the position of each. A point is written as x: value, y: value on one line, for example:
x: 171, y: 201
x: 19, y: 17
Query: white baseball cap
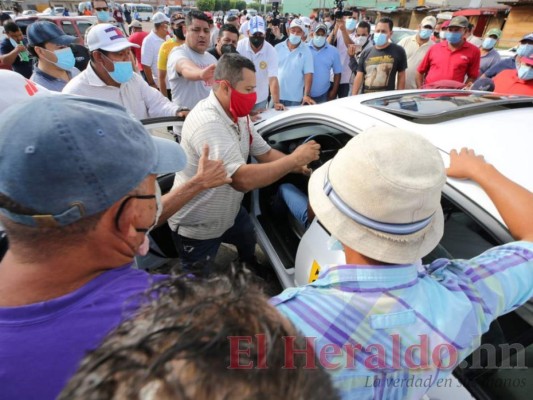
x: 107, y: 37
x: 298, y: 23
x: 159, y: 17
x: 256, y: 24
x: 16, y: 88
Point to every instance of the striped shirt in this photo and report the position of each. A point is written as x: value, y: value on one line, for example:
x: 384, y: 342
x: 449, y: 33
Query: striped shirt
x: 372, y: 314
x: 213, y: 211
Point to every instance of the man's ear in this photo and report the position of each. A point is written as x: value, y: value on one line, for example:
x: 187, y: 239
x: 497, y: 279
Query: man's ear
x: 127, y: 213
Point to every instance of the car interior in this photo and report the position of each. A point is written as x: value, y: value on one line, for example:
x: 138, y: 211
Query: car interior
x: 485, y: 375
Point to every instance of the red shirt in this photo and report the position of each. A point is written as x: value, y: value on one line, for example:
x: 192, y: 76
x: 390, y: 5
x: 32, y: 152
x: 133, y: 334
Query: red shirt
x: 441, y: 63
x: 138, y: 38
x: 507, y: 82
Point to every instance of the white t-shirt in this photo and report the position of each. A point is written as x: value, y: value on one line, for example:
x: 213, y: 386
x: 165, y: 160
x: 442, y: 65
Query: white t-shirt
x: 185, y: 92
x: 213, y: 212
x: 266, y: 65
x: 150, y: 52
x: 345, y: 58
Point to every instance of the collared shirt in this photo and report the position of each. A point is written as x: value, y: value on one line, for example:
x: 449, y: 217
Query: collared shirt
x: 213, y: 212
x: 292, y: 67
x: 325, y: 60
x: 415, y: 54
x: 51, y: 82
x: 507, y: 82
x: 150, y: 51
x: 374, y: 313
x: 506, y: 63
x: 141, y: 100
x: 441, y: 63
x: 265, y: 62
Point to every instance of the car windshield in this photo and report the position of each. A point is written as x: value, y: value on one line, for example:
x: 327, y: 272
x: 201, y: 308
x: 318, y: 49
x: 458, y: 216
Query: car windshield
x: 444, y: 104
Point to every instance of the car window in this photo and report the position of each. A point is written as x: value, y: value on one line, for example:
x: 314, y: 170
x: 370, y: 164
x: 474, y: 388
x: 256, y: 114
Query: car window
x: 83, y: 26
x: 68, y: 28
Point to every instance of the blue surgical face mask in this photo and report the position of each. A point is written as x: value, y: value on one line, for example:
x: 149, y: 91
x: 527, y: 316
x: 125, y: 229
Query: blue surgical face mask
x: 350, y: 24
x: 294, y: 39
x: 123, y: 71
x: 525, y: 72
x: 489, y: 43
x: 103, y: 16
x: 65, y: 58
x: 525, y: 50
x: 319, y: 41
x: 425, y: 34
x: 380, y: 39
x: 454, y: 37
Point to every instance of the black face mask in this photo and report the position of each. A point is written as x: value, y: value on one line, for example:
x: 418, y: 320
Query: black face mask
x: 179, y: 33
x: 257, y: 41
x: 228, y: 48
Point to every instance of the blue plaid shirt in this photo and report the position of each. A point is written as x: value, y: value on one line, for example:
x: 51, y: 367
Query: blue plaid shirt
x: 363, y: 320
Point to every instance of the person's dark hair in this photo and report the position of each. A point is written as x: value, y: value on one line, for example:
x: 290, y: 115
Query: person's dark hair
x: 40, y: 241
x: 31, y: 49
x: 188, y: 341
x: 470, y: 27
x: 228, y: 28
x: 230, y: 67
x: 11, y: 27
x: 364, y: 25
x: 196, y: 15
x: 232, y: 18
x: 386, y: 20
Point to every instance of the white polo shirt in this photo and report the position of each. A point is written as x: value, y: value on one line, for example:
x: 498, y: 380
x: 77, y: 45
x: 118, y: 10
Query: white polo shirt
x: 150, y: 52
x: 266, y: 65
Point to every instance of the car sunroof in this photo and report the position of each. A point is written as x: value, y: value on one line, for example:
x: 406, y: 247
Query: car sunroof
x: 445, y: 104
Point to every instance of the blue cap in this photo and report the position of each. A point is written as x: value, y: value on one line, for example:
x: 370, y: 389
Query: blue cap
x: 45, y: 31
x: 70, y: 157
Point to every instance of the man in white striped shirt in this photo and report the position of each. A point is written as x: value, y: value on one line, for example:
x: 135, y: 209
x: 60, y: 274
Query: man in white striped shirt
x: 216, y: 215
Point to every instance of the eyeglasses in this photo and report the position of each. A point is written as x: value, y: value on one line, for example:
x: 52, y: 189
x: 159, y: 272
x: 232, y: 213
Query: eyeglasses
x: 121, y: 208
x: 102, y: 9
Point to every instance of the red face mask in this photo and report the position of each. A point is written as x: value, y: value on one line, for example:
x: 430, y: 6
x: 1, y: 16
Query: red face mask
x: 241, y: 104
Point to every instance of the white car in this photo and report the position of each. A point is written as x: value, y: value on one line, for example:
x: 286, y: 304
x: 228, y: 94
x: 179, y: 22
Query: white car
x: 495, y: 126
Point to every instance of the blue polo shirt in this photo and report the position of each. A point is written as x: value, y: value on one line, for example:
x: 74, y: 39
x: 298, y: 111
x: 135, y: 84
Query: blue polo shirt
x: 325, y: 59
x: 292, y: 66
x: 51, y: 83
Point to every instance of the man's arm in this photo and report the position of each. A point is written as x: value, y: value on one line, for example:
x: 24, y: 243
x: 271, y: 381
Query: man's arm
x: 308, y: 82
x: 358, y: 81
x: 274, y: 92
x: 514, y: 202
x: 419, y: 78
x: 192, y: 72
x: 161, y: 76
x: 210, y: 174
x: 401, y: 81
x: 335, y: 87
x: 274, y: 165
x: 149, y: 76
x: 11, y: 57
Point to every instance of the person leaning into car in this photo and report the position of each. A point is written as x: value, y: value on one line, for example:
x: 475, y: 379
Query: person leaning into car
x: 216, y: 215
x: 380, y: 198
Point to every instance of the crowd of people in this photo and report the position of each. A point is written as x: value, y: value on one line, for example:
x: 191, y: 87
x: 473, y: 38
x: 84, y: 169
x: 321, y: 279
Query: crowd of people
x: 79, y: 197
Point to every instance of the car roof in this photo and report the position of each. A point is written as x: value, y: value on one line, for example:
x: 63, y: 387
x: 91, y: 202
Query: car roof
x: 496, y: 126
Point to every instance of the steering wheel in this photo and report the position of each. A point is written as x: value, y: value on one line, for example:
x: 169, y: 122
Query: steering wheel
x: 329, y: 145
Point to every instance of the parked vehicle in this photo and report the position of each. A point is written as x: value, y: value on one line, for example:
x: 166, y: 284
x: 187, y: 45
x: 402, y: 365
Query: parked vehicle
x: 145, y: 11
x: 75, y: 26
x: 30, y: 12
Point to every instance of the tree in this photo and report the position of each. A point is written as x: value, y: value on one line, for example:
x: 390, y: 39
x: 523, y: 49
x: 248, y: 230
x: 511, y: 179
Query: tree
x: 205, y: 5
x: 241, y: 5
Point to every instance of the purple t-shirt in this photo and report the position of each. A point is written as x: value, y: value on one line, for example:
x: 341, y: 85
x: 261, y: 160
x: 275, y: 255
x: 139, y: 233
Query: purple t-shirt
x: 42, y: 344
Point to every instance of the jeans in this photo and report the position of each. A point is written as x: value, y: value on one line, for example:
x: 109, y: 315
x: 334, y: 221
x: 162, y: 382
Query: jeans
x: 291, y: 198
x: 344, y: 89
x: 321, y: 99
x: 288, y: 103
x: 241, y: 234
